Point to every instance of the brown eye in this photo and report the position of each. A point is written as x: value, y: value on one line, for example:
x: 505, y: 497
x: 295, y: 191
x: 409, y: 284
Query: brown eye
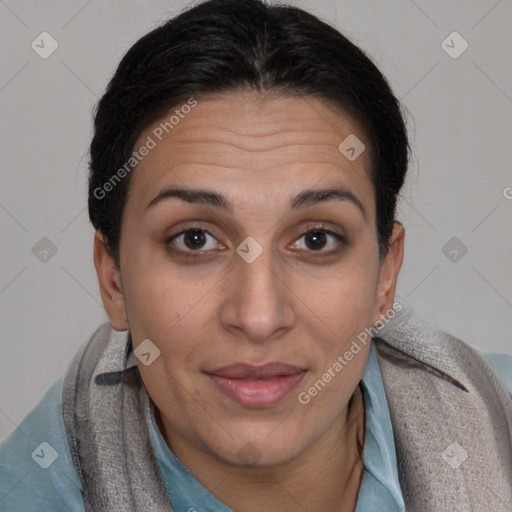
x: 315, y: 239
x: 321, y: 241
x: 193, y: 240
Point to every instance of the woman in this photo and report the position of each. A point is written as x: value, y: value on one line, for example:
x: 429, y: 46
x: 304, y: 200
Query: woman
x: 245, y: 168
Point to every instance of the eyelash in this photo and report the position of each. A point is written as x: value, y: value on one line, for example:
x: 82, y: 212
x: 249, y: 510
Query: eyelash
x: 342, y: 241
x: 189, y: 253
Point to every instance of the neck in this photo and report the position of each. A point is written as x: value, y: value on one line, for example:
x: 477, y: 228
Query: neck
x: 326, y: 477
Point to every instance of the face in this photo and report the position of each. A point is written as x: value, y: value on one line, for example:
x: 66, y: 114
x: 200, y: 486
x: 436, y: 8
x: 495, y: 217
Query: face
x: 249, y: 279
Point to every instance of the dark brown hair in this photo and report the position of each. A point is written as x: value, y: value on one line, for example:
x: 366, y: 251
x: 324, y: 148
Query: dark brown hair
x: 231, y: 45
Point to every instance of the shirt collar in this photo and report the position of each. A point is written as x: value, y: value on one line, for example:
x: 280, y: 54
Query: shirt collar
x: 380, y: 488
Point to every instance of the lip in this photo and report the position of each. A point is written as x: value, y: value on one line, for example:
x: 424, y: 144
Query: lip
x: 256, y: 386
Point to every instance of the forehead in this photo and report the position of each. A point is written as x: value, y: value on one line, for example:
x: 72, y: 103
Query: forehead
x: 249, y: 143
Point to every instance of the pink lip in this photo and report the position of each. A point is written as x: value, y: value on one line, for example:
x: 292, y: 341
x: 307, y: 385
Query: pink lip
x: 256, y: 386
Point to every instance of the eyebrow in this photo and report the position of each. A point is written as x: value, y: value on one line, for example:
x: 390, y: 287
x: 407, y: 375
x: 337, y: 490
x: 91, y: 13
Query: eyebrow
x: 197, y: 196
x: 218, y: 200
x: 315, y: 196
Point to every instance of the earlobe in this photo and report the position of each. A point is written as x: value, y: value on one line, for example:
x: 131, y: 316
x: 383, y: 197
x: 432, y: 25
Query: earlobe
x: 389, y: 269
x: 109, y: 280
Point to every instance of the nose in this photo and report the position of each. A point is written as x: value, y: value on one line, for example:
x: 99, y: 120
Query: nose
x: 258, y: 303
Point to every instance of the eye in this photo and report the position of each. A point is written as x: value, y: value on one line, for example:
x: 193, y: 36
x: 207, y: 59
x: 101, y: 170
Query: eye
x: 194, y: 240
x: 320, y: 240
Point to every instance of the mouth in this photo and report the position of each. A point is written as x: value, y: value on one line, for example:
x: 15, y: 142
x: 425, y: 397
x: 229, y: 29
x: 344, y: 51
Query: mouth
x: 256, y: 386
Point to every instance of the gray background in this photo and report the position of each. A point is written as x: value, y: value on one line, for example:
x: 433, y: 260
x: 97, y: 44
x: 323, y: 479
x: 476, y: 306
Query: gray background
x: 460, y: 113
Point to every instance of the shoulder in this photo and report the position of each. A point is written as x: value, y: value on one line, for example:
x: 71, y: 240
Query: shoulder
x: 36, y: 467
x: 407, y: 344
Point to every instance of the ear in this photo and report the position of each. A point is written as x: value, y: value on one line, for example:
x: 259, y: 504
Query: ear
x: 388, y: 275
x: 110, y: 284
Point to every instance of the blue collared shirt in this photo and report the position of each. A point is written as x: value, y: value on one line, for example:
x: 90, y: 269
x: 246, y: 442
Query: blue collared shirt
x: 27, y: 486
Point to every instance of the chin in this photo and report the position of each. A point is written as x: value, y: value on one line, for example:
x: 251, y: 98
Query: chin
x: 262, y: 450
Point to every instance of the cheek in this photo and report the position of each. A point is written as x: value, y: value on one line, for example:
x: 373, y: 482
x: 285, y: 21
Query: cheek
x: 167, y: 311
x: 157, y: 301
x: 346, y: 303
x: 343, y: 298
x: 174, y: 313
